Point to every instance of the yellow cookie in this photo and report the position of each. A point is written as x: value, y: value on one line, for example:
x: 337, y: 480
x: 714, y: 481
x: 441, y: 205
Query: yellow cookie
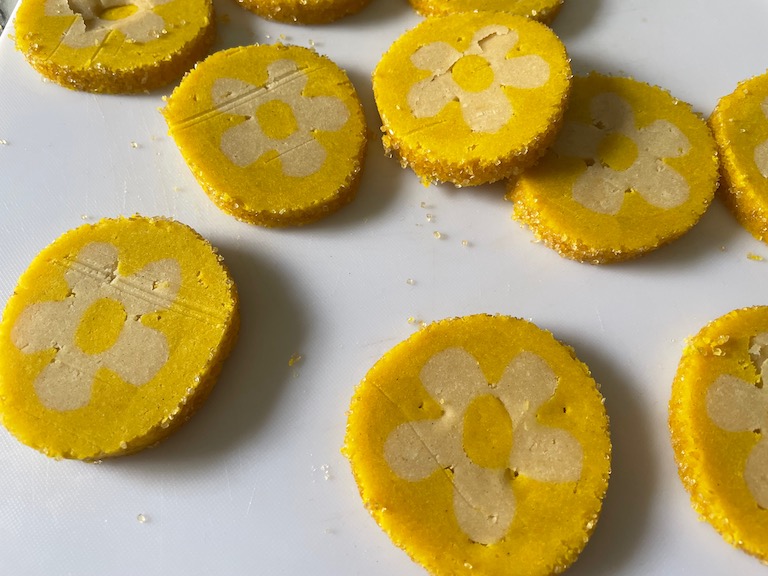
x: 740, y: 125
x: 113, y: 337
x: 481, y: 446
x: 114, y: 46
x: 541, y: 10
x: 718, y: 417
x: 471, y: 98
x: 304, y: 11
x: 274, y: 134
x: 632, y: 169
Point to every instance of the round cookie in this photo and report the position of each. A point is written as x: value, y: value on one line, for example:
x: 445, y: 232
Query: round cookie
x: 471, y: 98
x: 632, y: 169
x: 114, y: 47
x: 113, y: 337
x: 541, y: 10
x: 303, y: 11
x: 740, y: 125
x: 480, y: 445
x: 718, y: 418
x: 274, y: 134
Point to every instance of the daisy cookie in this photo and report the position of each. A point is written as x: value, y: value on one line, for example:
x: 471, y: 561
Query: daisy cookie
x: 303, y: 11
x: 718, y: 417
x: 113, y: 337
x: 471, y: 98
x: 541, y: 10
x: 274, y: 134
x: 112, y: 45
x: 480, y: 445
x: 740, y: 125
x: 632, y: 169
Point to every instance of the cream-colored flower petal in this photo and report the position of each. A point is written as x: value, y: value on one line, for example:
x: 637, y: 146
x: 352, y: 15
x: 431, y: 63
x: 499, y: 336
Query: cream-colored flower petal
x: 453, y: 377
x: 658, y: 183
x: 319, y: 113
x: 428, y: 97
x: 65, y: 384
x: 437, y: 57
x: 138, y: 355
x: 483, y: 501
x: 300, y: 154
x: 487, y: 111
x: 601, y: 189
x: 546, y: 454
x: 94, y: 266
x: 528, y: 72
x: 756, y: 472
x: 245, y: 143
x: 233, y: 96
x: 736, y: 405
x: 578, y: 140
x: 415, y: 450
x: 662, y: 139
x: 494, y: 42
x: 758, y: 353
x: 612, y: 113
x: 526, y: 384
x: 43, y: 325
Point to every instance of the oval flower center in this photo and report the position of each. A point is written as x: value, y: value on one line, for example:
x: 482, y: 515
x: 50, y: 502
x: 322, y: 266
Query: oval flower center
x: 617, y: 151
x: 100, y: 326
x: 118, y: 12
x: 472, y: 73
x: 487, y: 432
x: 276, y: 119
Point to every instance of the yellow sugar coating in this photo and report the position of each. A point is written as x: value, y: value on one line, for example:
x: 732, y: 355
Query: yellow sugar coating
x: 472, y: 98
x: 87, y: 46
x: 275, y: 134
x: 740, y: 125
x: 114, y: 336
x: 516, y: 519
x: 304, y: 11
x: 541, y: 10
x: 717, y: 462
x: 632, y: 169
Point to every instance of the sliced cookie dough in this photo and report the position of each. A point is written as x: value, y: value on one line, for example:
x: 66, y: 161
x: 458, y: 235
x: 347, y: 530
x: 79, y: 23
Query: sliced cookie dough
x: 480, y: 445
x: 541, y: 10
x: 113, y: 337
x: 718, y: 418
x: 740, y: 125
x: 472, y: 98
x: 114, y: 46
x: 274, y: 134
x: 632, y: 169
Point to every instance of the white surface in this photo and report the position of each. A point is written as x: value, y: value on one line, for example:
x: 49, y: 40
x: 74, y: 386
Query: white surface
x: 255, y: 483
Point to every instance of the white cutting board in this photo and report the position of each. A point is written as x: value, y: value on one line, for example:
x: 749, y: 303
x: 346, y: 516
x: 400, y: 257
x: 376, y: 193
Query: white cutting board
x: 255, y: 483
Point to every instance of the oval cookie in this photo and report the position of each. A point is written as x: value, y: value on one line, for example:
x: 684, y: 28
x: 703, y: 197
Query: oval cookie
x: 471, y: 98
x: 113, y: 337
x: 304, y: 11
x: 274, y: 134
x: 541, y: 10
x: 718, y: 417
x: 480, y: 445
x: 107, y: 46
x: 740, y: 125
x: 632, y: 169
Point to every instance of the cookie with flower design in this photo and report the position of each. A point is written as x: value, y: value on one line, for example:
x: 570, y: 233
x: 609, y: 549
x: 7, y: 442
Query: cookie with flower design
x: 480, y: 445
x: 718, y: 418
x: 632, y: 169
x: 471, y: 98
x: 113, y: 337
x: 114, y: 46
x: 274, y: 134
x: 740, y: 125
x: 304, y: 11
x: 541, y: 10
